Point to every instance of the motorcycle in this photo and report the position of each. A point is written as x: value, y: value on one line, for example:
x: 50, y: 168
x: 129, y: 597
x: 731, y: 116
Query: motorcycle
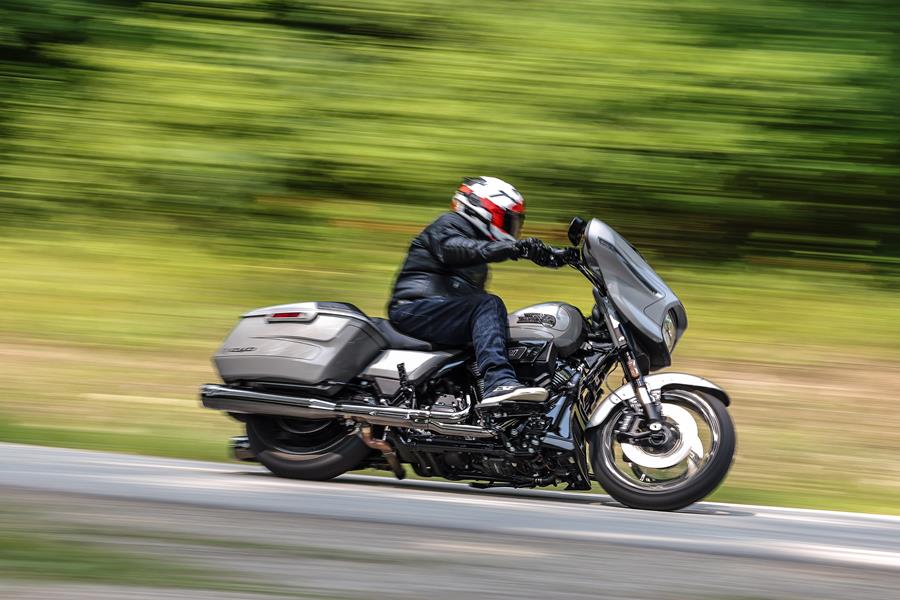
x: 324, y: 389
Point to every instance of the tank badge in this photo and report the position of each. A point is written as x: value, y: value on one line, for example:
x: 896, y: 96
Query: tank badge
x: 242, y: 349
x: 540, y: 318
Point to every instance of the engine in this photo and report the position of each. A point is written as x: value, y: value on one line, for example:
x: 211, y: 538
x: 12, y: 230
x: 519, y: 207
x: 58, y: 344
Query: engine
x: 533, y: 360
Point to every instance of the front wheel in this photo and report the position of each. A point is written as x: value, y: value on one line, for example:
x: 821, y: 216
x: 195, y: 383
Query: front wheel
x: 673, y: 475
x: 304, y: 448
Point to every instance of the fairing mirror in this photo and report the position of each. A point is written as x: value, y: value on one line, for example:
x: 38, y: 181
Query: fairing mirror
x: 576, y: 230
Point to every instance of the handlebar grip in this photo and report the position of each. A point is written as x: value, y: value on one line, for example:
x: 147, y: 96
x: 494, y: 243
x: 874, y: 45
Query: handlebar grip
x: 564, y: 256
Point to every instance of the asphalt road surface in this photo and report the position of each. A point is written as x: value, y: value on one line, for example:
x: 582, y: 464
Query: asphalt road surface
x: 367, y: 537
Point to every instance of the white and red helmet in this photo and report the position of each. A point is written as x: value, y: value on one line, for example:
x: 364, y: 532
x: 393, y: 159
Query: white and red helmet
x: 495, y: 207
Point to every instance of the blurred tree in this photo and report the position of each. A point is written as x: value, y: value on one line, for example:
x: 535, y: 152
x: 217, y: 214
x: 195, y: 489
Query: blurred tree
x: 710, y: 129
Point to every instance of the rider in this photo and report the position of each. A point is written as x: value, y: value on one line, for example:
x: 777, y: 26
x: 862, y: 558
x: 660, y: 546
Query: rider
x: 439, y: 294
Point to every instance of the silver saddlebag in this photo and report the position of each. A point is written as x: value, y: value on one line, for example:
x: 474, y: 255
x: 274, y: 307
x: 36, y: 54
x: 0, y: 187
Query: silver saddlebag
x: 308, y: 343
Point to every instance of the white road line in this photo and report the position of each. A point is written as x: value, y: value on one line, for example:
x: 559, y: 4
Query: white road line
x: 821, y: 520
x: 837, y: 555
x: 841, y: 554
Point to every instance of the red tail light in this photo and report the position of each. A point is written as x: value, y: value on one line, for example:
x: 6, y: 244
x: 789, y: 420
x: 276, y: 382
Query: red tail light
x: 297, y: 317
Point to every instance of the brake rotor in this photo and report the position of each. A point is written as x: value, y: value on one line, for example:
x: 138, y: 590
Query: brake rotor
x: 689, y: 441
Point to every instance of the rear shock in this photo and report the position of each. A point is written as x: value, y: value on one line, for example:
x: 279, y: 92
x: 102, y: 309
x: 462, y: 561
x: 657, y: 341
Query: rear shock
x: 479, y: 382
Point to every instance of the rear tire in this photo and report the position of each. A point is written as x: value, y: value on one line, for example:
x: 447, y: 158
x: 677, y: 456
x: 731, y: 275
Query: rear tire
x: 314, y: 450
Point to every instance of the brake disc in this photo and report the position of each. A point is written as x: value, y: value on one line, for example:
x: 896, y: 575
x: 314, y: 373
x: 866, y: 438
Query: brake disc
x: 688, y: 441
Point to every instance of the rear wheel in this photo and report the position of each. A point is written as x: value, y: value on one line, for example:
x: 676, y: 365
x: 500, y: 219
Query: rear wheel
x: 674, y: 475
x: 305, y: 449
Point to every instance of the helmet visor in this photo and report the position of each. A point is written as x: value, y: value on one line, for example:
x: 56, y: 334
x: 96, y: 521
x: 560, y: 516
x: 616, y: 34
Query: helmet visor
x: 514, y: 223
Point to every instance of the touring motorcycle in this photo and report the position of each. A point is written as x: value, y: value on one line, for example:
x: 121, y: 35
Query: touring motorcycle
x: 323, y: 389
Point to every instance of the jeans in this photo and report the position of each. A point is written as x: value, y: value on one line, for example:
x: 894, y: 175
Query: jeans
x: 455, y: 322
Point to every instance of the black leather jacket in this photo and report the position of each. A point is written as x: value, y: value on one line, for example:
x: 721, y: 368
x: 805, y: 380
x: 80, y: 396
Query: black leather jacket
x: 449, y: 258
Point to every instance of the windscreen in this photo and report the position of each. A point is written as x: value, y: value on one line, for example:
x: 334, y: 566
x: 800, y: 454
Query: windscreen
x: 637, y: 291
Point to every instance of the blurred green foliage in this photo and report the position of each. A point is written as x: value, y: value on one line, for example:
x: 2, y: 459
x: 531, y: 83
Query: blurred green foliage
x: 763, y: 129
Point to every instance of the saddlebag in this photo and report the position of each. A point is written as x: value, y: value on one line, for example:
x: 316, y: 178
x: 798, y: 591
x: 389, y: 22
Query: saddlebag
x: 306, y: 344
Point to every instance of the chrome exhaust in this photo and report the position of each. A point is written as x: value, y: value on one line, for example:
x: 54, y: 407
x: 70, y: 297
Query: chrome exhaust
x: 241, y: 450
x: 220, y: 397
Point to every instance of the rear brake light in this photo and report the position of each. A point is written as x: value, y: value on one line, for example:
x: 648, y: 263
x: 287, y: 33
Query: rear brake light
x: 298, y: 317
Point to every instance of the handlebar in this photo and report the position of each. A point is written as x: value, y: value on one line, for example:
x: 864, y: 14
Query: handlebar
x: 564, y: 256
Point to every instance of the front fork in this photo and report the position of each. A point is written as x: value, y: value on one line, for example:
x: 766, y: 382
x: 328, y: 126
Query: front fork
x: 644, y: 402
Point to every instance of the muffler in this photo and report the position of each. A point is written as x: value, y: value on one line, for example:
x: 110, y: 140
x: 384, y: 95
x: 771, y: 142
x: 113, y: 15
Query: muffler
x: 221, y: 397
x: 241, y: 450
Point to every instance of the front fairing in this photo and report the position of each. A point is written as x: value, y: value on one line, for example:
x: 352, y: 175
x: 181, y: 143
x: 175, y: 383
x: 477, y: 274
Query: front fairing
x: 638, y: 293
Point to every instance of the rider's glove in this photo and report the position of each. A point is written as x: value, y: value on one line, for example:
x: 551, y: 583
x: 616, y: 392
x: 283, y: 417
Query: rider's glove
x: 536, y: 251
x: 497, y: 251
x: 563, y: 256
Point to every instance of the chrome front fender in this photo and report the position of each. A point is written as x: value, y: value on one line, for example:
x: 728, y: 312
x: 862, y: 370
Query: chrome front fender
x: 655, y: 383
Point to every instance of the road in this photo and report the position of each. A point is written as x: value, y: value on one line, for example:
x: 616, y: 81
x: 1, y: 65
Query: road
x: 368, y: 537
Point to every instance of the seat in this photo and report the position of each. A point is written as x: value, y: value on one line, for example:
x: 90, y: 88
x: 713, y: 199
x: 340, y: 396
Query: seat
x: 397, y: 340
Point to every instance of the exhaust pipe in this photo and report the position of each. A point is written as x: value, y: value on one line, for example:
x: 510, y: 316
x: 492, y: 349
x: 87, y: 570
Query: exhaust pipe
x: 220, y: 397
x: 241, y: 450
x: 383, y: 446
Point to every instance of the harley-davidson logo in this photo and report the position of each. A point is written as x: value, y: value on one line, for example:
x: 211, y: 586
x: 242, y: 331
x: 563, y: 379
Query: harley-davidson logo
x: 542, y: 318
x: 243, y: 349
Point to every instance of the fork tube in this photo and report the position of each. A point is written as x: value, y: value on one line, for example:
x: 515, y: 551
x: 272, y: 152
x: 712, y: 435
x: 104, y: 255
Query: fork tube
x: 629, y: 364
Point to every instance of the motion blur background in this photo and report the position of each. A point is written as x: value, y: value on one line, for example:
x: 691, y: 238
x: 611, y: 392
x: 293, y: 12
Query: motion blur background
x: 165, y: 166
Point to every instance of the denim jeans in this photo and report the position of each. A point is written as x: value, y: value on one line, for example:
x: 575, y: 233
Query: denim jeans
x: 456, y: 321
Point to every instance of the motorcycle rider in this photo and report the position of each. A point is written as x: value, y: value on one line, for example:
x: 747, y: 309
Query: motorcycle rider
x: 439, y: 294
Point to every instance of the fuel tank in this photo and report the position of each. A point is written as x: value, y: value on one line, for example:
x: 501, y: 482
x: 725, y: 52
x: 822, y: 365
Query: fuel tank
x: 557, y: 321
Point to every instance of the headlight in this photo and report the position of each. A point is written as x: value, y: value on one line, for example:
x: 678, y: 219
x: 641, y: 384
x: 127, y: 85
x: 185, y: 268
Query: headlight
x: 669, y: 330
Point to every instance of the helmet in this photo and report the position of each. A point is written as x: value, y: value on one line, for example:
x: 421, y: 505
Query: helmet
x: 495, y: 207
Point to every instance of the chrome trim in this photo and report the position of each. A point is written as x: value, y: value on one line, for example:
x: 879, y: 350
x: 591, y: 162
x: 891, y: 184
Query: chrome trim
x: 655, y: 383
x: 241, y: 450
x: 220, y: 397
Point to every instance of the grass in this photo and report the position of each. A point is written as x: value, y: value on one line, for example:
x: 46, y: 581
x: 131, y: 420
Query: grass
x: 107, y: 335
x: 31, y: 551
x: 31, y: 557
x: 43, y: 547
x: 153, y: 287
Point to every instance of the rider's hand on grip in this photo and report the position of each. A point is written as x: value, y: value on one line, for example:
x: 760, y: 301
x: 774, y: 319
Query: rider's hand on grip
x: 563, y: 256
x: 536, y: 251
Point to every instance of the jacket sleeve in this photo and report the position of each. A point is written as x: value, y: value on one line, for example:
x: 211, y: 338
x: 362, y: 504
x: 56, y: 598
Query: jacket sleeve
x: 454, y: 248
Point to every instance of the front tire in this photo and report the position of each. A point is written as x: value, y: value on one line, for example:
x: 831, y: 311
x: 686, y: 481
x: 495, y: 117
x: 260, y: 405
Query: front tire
x: 656, y: 485
x: 315, y: 450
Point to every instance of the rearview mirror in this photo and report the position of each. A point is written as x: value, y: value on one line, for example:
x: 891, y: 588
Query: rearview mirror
x: 576, y: 230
